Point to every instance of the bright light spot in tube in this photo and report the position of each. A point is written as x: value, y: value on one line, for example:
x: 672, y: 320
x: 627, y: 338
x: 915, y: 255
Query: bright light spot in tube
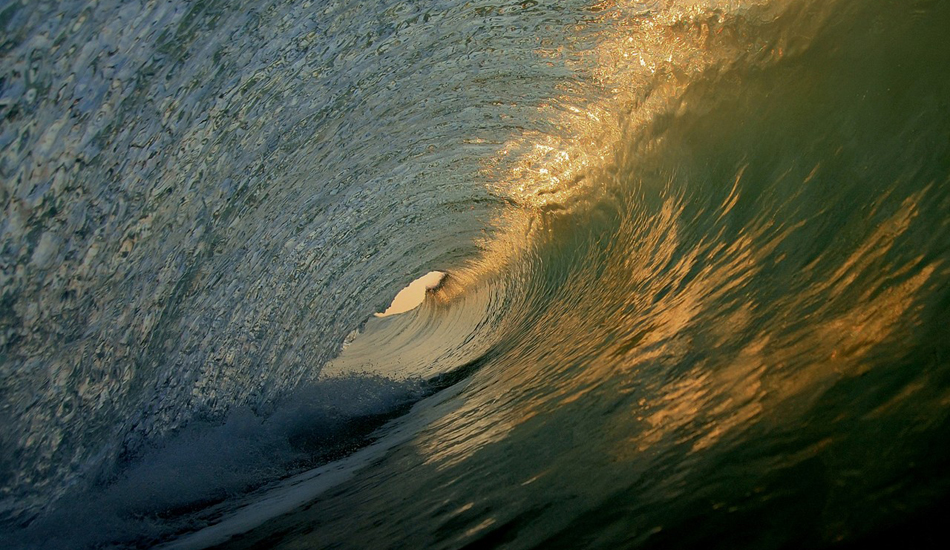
x: 414, y: 294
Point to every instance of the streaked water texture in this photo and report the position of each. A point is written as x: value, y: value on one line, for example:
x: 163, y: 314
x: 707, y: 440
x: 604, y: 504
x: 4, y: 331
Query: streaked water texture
x: 696, y: 253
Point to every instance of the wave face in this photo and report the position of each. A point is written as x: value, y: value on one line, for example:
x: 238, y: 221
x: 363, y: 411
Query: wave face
x: 696, y: 253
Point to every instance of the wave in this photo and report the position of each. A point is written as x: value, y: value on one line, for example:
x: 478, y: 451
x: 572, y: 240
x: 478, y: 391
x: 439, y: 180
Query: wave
x: 696, y: 259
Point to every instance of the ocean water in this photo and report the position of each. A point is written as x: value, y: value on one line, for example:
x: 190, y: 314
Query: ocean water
x: 697, y: 258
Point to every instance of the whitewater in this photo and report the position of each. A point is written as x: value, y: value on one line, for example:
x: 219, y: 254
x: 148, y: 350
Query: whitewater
x: 688, y: 274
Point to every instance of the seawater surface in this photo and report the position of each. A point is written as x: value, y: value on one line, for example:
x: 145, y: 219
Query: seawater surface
x: 696, y: 288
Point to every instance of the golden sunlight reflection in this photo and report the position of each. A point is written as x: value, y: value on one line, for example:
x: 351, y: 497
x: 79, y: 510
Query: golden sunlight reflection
x: 542, y: 171
x: 636, y: 68
x: 413, y: 295
x: 711, y: 389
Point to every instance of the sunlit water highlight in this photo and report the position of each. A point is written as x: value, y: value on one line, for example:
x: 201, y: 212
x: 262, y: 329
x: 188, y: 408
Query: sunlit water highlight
x: 414, y: 294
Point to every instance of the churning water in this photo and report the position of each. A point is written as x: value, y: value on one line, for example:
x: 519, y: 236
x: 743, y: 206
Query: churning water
x: 697, y: 288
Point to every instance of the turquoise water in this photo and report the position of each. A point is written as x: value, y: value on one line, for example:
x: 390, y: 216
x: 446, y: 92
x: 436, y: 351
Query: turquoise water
x: 696, y: 257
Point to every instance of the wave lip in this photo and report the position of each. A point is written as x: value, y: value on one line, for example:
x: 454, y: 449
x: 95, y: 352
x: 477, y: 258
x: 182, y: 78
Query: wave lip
x: 211, y: 468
